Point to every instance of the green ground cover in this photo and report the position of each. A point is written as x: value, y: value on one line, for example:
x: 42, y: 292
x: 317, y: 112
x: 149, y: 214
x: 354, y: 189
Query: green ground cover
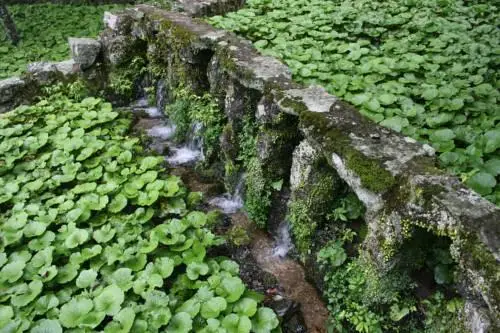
x: 95, y: 235
x: 44, y: 31
x: 426, y: 68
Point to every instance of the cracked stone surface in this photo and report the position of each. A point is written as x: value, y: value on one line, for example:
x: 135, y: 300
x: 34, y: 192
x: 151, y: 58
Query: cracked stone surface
x: 84, y: 51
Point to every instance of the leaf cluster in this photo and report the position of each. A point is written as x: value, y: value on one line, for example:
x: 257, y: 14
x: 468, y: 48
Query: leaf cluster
x: 95, y: 236
x: 427, y: 69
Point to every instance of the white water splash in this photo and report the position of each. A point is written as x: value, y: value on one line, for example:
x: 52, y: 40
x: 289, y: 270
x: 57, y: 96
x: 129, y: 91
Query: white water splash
x: 230, y: 203
x: 162, y: 132
x: 227, y: 203
x: 190, y: 152
x: 153, y: 112
x: 284, y: 241
x: 183, y: 155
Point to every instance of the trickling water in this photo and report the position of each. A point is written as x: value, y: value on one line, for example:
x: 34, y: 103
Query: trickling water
x: 191, y: 151
x: 153, y: 112
x: 183, y: 155
x: 290, y: 275
x: 271, y: 256
x: 162, y: 131
x: 230, y: 203
x: 161, y: 92
x: 283, y: 242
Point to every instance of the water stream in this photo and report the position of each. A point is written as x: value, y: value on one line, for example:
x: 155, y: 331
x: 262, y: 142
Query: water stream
x: 191, y: 151
x: 283, y: 242
x: 162, y: 131
x: 289, y: 273
x: 230, y: 203
x: 270, y: 254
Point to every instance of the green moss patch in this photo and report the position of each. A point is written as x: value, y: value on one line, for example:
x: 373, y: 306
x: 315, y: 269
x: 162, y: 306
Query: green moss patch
x: 373, y: 176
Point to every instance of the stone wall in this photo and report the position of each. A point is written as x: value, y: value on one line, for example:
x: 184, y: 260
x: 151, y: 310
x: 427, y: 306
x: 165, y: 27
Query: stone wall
x: 395, y: 177
x: 303, y: 133
x: 192, y: 7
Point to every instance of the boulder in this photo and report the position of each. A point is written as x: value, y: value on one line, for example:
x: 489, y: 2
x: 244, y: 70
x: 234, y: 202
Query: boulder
x: 67, y: 67
x: 10, y: 90
x: 46, y: 73
x: 84, y: 51
x: 42, y: 71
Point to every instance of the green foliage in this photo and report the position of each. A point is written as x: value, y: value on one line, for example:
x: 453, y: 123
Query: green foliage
x: 238, y: 236
x: 363, y: 299
x: 92, y: 231
x: 423, y: 68
x: 302, y: 224
x: 441, y: 314
x: 258, y: 188
x: 350, y: 208
x: 332, y: 254
x: 44, y: 31
x: 320, y: 203
x: 257, y: 193
x: 122, y: 79
x: 76, y: 90
x: 189, y: 109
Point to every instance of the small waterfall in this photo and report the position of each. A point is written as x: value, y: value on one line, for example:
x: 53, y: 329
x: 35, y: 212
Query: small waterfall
x: 164, y: 132
x: 230, y: 203
x: 283, y: 242
x: 142, y: 104
x: 161, y: 92
x: 190, y: 152
x: 153, y: 112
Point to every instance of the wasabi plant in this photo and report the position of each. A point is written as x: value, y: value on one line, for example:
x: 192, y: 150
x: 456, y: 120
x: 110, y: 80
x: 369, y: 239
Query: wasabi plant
x: 96, y: 236
x: 427, y: 69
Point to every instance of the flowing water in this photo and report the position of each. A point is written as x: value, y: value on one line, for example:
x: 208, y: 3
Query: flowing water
x: 153, y: 112
x: 289, y: 273
x: 191, y: 151
x: 283, y: 242
x: 183, y: 155
x: 230, y: 203
x: 271, y: 255
x: 164, y: 132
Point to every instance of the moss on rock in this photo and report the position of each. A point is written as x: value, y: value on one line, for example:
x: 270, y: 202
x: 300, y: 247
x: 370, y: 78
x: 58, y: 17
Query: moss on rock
x: 372, y: 174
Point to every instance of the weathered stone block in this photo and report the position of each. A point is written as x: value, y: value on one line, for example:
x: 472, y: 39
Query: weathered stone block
x: 10, y: 89
x: 84, y: 51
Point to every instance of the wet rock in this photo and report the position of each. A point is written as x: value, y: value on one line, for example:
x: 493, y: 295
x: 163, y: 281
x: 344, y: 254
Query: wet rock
x: 42, y: 71
x: 120, y: 21
x: 293, y: 322
x: 117, y: 48
x: 282, y: 306
x: 304, y: 158
x: 9, y: 87
x: 289, y: 313
x: 476, y: 319
x: 84, y: 51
